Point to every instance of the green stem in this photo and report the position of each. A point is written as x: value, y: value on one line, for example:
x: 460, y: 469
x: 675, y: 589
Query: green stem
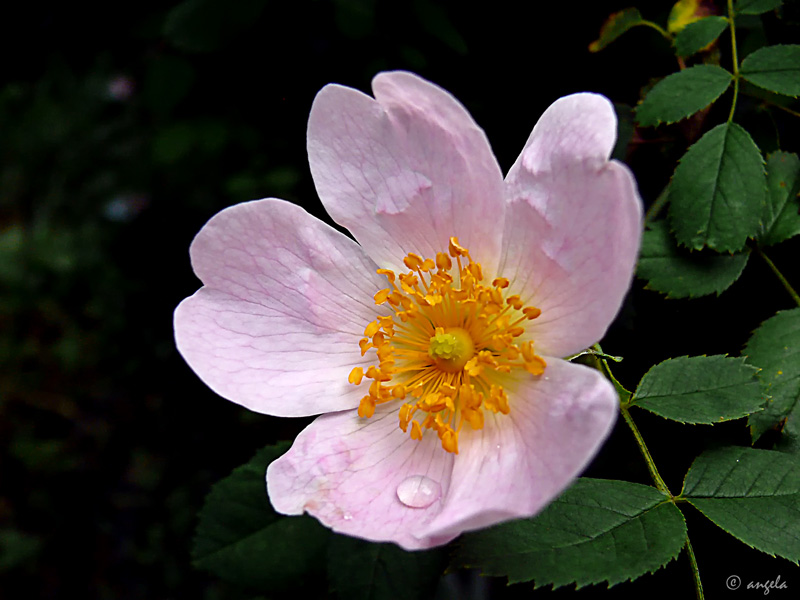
x: 657, y: 206
x: 735, y: 60
x: 651, y: 465
x: 658, y: 28
x: 778, y: 274
x: 698, y: 585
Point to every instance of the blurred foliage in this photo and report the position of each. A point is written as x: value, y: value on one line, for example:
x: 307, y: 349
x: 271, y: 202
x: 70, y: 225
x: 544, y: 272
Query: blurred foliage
x: 125, y: 128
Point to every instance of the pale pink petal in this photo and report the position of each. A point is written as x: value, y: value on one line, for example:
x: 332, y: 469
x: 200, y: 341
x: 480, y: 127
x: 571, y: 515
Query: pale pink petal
x: 285, y: 301
x: 573, y: 226
x: 346, y: 471
x: 518, y: 463
x: 349, y: 472
x: 406, y: 170
x: 575, y: 128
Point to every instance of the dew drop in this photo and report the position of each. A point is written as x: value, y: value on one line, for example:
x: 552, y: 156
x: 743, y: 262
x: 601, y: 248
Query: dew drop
x: 347, y: 516
x: 418, y: 491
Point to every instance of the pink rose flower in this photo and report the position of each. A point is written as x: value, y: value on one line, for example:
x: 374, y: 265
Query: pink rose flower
x: 434, y: 341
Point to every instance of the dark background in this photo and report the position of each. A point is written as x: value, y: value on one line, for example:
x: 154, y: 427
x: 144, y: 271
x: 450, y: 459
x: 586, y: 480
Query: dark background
x: 124, y: 128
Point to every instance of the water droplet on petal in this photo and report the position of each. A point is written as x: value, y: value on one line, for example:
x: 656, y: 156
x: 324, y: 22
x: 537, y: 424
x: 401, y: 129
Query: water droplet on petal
x: 418, y: 491
x: 347, y: 516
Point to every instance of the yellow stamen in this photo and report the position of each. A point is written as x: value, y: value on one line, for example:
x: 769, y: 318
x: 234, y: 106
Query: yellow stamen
x: 367, y: 407
x: 446, y: 349
x: 356, y: 375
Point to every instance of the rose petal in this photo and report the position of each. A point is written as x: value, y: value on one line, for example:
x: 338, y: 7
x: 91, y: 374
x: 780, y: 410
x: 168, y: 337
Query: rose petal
x: 575, y: 128
x: 346, y: 471
x: 520, y: 462
x: 285, y: 302
x: 573, y: 228
x: 405, y: 171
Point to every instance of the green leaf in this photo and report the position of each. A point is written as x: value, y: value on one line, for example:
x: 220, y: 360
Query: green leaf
x: 781, y: 217
x: 774, y: 68
x: 614, y: 26
x: 597, y: 531
x: 682, y: 13
x: 755, y: 7
x: 775, y: 348
x: 696, y: 36
x: 682, y: 94
x: 752, y: 494
x: 679, y: 273
x: 718, y: 190
x: 242, y: 539
x: 360, y: 570
x: 700, y: 389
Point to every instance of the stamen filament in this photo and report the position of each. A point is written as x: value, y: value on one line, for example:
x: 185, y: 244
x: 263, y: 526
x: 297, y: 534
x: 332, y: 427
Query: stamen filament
x: 447, y: 346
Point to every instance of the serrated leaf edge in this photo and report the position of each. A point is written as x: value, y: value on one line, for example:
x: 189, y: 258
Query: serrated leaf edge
x: 668, y: 295
x: 743, y: 72
x: 743, y: 360
x: 667, y: 122
x: 764, y: 191
x: 578, y: 584
x: 674, y: 42
x: 795, y: 562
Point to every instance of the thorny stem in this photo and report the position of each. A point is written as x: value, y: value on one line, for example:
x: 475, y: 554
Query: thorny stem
x: 778, y: 274
x: 698, y: 585
x: 735, y: 60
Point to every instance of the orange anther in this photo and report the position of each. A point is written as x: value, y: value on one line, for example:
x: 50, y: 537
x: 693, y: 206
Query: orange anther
x: 382, y: 296
x: 456, y: 249
x: 413, y: 261
x: 535, y: 366
x: 388, y: 273
x: 450, y: 441
x: 531, y: 312
x: 473, y: 417
x: 527, y: 351
x: 500, y: 282
x: 366, y: 407
x: 356, y: 375
x: 475, y: 270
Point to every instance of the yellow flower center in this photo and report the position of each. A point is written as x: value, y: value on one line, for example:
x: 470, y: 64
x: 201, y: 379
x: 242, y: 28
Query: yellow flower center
x: 451, y: 349
x: 447, y: 348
